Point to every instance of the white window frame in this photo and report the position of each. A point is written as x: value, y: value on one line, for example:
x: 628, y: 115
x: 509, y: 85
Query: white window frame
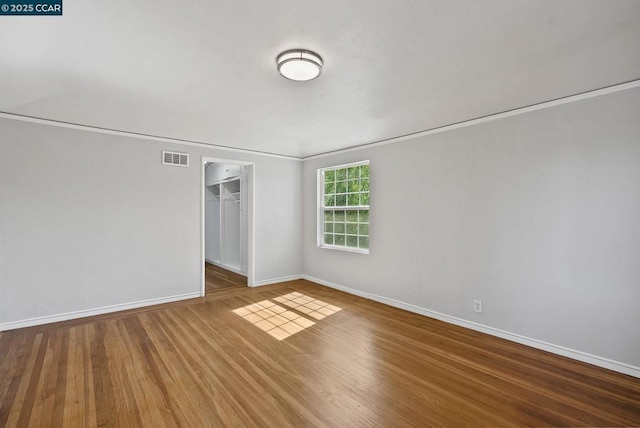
x: 321, y: 209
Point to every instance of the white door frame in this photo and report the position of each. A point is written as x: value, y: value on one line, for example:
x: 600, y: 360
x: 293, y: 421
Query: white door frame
x: 250, y: 214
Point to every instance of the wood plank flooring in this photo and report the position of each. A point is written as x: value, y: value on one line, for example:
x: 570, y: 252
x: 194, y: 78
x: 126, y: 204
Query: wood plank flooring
x: 217, y: 361
x: 217, y: 278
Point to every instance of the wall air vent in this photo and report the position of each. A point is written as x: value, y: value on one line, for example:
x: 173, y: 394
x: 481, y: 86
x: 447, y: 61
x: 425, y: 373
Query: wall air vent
x: 174, y: 158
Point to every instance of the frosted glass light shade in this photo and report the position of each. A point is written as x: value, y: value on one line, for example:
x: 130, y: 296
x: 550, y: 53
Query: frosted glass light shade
x: 299, y: 64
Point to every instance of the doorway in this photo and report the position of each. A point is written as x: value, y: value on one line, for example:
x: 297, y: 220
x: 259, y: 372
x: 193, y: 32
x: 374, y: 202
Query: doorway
x: 227, y: 227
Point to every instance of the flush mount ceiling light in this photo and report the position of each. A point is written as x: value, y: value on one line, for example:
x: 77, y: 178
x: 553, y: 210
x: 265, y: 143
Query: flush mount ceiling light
x: 299, y: 64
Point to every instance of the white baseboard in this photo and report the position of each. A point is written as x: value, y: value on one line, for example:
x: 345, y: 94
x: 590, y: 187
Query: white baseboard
x: 534, y: 343
x: 276, y: 280
x: 12, y: 325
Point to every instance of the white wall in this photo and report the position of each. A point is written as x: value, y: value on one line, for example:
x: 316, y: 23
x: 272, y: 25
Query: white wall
x: 89, y: 220
x: 538, y: 215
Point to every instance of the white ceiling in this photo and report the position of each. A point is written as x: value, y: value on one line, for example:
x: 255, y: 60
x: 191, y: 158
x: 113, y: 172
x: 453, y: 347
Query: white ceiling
x: 205, y: 70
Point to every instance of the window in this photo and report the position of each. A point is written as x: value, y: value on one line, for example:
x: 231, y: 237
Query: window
x: 343, y: 220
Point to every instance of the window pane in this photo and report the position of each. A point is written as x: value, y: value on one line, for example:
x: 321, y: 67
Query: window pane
x: 339, y: 240
x: 339, y: 228
x: 328, y: 215
x: 353, y: 186
x: 339, y: 215
x: 341, y: 174
x: 353, y: 172
x: 329, y: 188
x: 352, y: 229
x: 352, y: 241
x: 364, y: 242
x: 329, y: 176
x: 363, y: 229
x: 364, y: 171
x: 328, y: 239
x: 341, y: 187
x: 364, y: 200
x: 364, y: 215
x: 353, y: 199
x: 329, y: 201
x: 352, y: 216
x: 328, y: 227
x: 341, y: 200
x: 364, y: 184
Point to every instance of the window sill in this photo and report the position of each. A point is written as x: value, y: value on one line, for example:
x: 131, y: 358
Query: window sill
x: 348, y: 249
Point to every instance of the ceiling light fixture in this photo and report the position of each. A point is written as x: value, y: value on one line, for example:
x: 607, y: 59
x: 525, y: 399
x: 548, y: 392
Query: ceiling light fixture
x: 299, y: 64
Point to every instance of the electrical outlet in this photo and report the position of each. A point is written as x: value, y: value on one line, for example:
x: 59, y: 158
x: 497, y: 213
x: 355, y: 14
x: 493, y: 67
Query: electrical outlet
x: 477, y: 306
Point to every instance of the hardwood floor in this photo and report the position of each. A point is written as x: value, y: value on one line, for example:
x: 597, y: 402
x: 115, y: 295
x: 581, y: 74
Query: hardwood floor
x: 217, y: 278
x: 223, y: 360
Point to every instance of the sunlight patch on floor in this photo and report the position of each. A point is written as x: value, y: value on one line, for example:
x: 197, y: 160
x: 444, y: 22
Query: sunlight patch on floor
x: 274, y: 319
x: 307, y: 305
x: 282, y: 323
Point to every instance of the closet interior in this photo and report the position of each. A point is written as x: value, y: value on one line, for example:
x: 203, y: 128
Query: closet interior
x: 226, y: 218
